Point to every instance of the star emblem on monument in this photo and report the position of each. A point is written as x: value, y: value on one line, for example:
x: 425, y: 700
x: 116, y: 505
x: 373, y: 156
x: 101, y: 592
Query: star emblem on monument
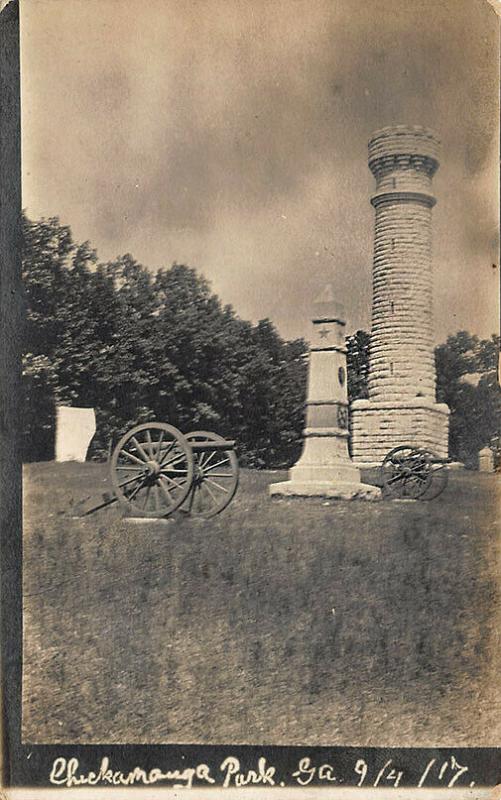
x: 324, y: 332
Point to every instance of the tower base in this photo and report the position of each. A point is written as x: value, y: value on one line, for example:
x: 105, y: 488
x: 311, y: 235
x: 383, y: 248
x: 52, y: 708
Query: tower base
x: 378, y: 427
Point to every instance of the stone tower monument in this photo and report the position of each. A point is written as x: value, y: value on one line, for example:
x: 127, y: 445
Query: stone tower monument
x: 324, y: 468
x: 401, y: 408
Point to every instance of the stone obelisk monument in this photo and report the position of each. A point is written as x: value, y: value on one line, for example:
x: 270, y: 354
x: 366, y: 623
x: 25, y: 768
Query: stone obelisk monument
x: 324, y: 468
x: 401, y: 408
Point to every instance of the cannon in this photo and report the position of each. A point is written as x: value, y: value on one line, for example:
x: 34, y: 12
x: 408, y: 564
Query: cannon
x: 413, y: 473
x: 156, y: 470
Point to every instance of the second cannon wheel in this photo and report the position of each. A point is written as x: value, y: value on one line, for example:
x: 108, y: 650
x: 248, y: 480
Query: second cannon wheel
x: 215, y: 477
x: 439, y: 474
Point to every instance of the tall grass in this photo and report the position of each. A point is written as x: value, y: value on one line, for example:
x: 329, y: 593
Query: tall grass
x: 291, y: 622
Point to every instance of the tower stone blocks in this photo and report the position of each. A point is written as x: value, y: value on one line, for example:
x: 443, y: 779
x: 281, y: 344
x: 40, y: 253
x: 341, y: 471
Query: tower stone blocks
x: 401, y: 408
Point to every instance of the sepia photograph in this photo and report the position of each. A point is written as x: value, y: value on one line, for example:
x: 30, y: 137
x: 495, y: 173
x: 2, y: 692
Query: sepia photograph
x: 260, y: 413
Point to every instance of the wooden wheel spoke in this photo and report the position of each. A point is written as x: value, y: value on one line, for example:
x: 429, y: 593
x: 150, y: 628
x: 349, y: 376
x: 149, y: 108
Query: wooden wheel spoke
x: 147, y: 497
x: 400, y: 476
x: 135, y: 491
x: 132, y: 457
x: 410, y: 488
x: 169, y: 448
x: 171, y: 481
x: 166, y: 492
x: 156, y: 453
x: 140, y: 449
x: 130, y: 480
x: 176, y: 459
x: 213, y: 483
x: 200, y: 458
x: 151, y: 449
x: 191, y: 498
x: 214, y: 497
x: 156, y: 497
x: 407, y: 476
x: 176, y: 470
x: 127, y: 468
x: 219, y: 464
x: 205, y: 459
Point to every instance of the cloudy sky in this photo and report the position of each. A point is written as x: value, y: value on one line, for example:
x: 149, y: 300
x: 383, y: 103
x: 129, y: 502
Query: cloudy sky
x: 232, y: 136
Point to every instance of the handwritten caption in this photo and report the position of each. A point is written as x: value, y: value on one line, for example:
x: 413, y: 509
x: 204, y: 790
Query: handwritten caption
x: 447, y: 772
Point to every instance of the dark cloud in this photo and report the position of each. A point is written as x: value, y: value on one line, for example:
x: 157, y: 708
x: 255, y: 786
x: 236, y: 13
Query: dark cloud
x: 233, y: 135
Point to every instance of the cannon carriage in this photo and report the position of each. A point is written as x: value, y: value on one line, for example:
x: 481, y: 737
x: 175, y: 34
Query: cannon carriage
x: 156, y: 470
x: 411, y: 473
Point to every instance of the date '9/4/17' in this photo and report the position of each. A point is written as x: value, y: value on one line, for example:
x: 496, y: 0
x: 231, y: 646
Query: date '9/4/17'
x: 449, y: 772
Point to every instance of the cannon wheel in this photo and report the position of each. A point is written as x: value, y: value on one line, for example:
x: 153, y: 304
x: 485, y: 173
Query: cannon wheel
x: 406, y: 473
x: 152, y: 469
x: 215, y: 479
x: 439, y: 477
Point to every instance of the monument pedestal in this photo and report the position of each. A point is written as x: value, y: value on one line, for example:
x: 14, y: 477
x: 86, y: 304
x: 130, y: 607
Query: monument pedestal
x: 324, y: 468
x: 340, y: 490
x: 378, y: 427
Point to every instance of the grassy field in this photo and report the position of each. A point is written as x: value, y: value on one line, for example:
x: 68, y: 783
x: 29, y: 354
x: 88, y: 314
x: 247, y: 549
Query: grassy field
x: 278, y: 622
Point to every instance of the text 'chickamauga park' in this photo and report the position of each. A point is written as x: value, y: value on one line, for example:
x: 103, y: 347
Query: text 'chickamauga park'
x: 448, y: 772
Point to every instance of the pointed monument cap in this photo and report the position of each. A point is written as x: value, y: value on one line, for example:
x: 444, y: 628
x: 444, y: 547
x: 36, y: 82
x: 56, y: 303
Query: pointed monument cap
x: 326, y: 308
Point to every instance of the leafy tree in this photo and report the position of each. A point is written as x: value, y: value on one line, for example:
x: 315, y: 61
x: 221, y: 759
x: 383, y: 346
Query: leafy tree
x: 467, y: 381
x: 47, y: 249
x: 241, y: 379
x: 139, y: 346
x: 39, y: 389
x: 357, y: 362
x: 269, y: 408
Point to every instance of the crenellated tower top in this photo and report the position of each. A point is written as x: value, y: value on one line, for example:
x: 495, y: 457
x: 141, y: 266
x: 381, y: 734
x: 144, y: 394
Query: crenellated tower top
x: 403, y: 159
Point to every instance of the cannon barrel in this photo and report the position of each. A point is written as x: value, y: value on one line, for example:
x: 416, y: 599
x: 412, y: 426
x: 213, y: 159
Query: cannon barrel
x: 202, y: 447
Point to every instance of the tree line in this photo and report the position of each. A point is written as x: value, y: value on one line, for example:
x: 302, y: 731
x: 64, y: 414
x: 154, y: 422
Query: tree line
x: 139, y: 346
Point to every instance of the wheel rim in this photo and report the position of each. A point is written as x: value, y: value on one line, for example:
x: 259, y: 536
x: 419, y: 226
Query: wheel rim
x: 152, y: 469
x: 406, y: 473
x: 439, y: 477
x: 215, y: 478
